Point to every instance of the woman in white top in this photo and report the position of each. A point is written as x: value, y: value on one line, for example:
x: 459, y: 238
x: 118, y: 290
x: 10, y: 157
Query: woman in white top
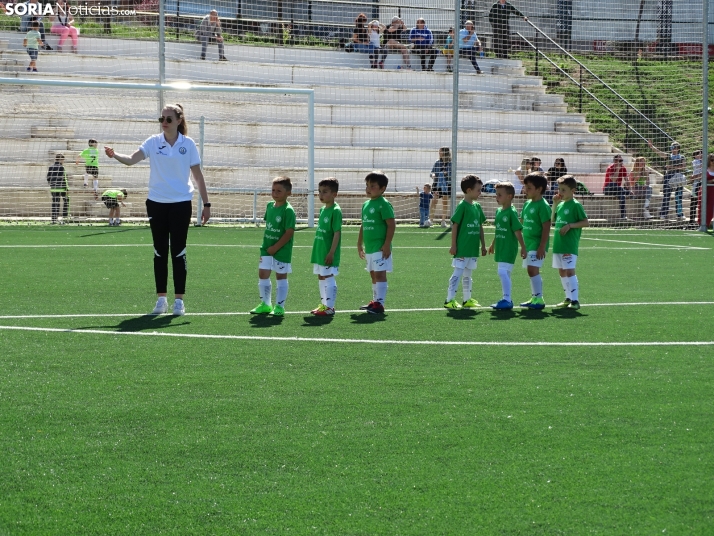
x: 64, y: 26
x: 173, y: 158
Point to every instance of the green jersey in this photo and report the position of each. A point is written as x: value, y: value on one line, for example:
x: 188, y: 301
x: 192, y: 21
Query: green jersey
x: 469, y: 217
x: 506, y: 243
x: 375, y: 212
x: 277, y: 221
x: 113, y: 194
x: 534, y: 215
x: 568, y: 212
x: 91, y: 156
x: 330, y: 223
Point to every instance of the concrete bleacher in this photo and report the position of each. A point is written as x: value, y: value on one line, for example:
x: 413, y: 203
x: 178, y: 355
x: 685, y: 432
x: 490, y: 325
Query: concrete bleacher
x: 364, y: 119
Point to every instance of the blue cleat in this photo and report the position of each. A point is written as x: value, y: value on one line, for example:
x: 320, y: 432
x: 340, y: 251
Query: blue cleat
x: 503, y: 305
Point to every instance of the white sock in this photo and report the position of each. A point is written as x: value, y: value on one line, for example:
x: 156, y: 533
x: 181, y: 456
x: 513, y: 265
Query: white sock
x: 537, y: 286
x: 505, y: 283
x: 566, y: 286
x: 330, y: 292
x: 374, y: 291
x: 647, y: 204
x: 381, y: 292
x: 454, y: 284
x: 96, y: 184
x: 281, y: 294
x: 162, y: 299
x: 466, y: 284
x: 111, y: 220
x: 573, y: 284
x: 178, y: 301
x: 265, y: 287
x: 323, y: 290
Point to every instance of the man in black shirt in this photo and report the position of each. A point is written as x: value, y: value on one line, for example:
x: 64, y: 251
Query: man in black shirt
x: 498, y: 17
x: 57, y: 179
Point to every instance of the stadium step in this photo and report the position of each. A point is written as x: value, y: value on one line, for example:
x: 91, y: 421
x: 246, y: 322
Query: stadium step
x: 51, y: 132
x: 572, y: 126
x: 4, y: 44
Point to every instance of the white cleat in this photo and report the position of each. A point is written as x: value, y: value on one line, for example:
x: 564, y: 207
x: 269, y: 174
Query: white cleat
x: 179, y: 309
x: 162, y: 306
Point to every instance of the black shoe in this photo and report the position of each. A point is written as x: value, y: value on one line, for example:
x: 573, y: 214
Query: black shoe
x: 48, y: 47
x: 203, y: 57
x: 222, y: 58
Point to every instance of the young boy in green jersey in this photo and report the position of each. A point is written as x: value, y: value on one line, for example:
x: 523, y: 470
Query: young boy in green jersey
x: 570, y: 218
x: 326, y: 247
x: 91, y: 163
x: 277, y: 249
x: 466, y: 234
x: 376, y: 233
x: 112, y: 199
x: 505, y: 242
x: 535, y: 217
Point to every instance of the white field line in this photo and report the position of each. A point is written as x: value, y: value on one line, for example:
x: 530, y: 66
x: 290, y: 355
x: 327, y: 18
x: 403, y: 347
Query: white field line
x: 351, y: 311
x: 254, y: 246
x: 671, y: 246
x: 354, y: 341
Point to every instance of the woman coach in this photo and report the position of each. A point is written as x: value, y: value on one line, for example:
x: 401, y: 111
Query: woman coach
x: 173, y: 158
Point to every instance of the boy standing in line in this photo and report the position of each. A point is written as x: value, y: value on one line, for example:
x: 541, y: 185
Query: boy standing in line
x: 376, y: 233
x: 277, y: 249
x: 505, y: 242
x: 91, y: 164
x: 570, y: 218
x: 466, y: 234
x: 535, y: 217
x: 57, y: 179
x: 326, y: 247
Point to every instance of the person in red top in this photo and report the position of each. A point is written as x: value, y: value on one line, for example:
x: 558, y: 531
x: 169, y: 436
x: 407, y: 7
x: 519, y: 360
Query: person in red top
x: 617, y: 182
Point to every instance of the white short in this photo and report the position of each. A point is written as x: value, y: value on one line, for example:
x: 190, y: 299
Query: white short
x: 465, y: 263
x: 564, y: 261
x: 375, y: 262
x: 324, y: 271
x: 269, y: 263
x: 505, y: 266
x: 532, y: 260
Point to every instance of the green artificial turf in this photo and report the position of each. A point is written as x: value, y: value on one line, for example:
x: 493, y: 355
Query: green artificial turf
x: 128, y: 434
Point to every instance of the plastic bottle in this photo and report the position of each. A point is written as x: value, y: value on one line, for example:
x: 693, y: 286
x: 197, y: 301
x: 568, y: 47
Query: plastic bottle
x: 399, y: 67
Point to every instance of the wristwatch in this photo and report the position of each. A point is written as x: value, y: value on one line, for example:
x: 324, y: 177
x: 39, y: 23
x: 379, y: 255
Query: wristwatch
x: 206, y: 205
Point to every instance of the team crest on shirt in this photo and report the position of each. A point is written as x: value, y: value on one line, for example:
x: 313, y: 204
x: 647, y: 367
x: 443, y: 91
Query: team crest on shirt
x: 566, y: 211
x: 532, y: 211
x: 278, y: 219
x: 371, y: 211
x: 182, y: 150
x: 326, y: 219
x: 505, y: 218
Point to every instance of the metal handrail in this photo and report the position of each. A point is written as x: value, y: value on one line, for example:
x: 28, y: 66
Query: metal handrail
x: 582, y: 88
x: 596, y: 77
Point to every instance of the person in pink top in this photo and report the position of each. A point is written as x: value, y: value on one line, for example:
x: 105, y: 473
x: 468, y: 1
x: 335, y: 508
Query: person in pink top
x: 617, y: 182
x: 63, y: 25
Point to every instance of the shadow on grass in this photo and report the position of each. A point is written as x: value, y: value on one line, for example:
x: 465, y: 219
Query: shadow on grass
x: 112, y: 232
x: 533, y: 314
x: 462, y: 314
x: 444, y: 234
x: 367, y: 318
x: 316, y: 321
x: 503, y: 314
x: 265, y: 321
x: 146, y: 322
x: 567, y: 313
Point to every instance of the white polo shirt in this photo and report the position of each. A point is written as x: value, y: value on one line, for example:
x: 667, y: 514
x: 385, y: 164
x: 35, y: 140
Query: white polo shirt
x: 170, y: 177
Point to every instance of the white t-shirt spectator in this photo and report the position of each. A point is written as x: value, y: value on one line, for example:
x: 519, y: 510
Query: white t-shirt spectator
x: 170, y: 177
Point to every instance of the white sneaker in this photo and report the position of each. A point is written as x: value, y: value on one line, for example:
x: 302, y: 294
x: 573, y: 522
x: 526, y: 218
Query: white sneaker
x: 647, y: 215
x: 179, y: 309
x: 162, y: 306
x: 443, y: 223
x: 427, y: 223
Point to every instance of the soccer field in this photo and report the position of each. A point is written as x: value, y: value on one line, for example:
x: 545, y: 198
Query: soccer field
x: 421, y: 421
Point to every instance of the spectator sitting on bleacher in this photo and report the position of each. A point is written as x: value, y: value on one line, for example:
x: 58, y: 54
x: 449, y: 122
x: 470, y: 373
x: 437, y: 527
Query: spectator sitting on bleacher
x: 27, y: 20
x: 498, y: 16
x: 394, y: 33
x: 617, y: 182
x: 375, y: 37
x: 63, y: 26
x: 470, y: 44
x: 422, y: 40
x: 640, y: 183
x: 209, y: 31
x: 554, y: 173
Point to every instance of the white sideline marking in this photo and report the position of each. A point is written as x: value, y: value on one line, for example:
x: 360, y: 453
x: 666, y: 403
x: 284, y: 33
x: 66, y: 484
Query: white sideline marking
x: 354, y: 341
x: 346, y: 311
x: 671, y: 246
